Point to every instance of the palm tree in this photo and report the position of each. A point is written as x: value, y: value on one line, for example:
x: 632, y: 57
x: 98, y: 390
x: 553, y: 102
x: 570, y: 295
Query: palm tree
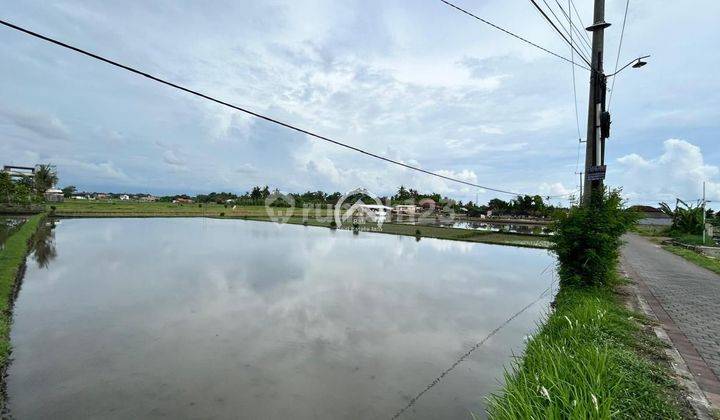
x: 45, y: 177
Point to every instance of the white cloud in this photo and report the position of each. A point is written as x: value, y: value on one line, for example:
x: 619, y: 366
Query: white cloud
x: 678, y: 172
x: 422, y: 84
x: 172, y: 159
x: 555, y: 188
x: 47, y: 127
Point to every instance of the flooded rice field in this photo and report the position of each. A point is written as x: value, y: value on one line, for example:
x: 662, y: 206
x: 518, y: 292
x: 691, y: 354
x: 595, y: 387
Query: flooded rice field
x: 481, y: 225
x: 204, y: 318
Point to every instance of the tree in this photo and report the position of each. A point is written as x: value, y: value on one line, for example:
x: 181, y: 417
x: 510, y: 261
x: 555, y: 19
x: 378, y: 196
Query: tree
x: 45, y: 178
x: 256, y: 193
x: 69, y: 191
x: 498, y: 206
x: 7, y: 187
x: 402, y: 194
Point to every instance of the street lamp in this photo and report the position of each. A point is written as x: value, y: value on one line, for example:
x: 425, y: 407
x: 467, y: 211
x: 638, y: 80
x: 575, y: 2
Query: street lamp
x: 636, y: 64
x: 639, y: 63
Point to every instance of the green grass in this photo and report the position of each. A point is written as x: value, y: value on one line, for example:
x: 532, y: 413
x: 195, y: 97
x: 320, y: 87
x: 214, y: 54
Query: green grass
x: 590, y: 360
x: 695, y: 258
x: 136, y: 209
x: 12, y: 258
x: 652, y: 231
x: 693, y: 239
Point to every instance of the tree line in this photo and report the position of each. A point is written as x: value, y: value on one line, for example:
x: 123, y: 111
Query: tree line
x: 522, y: 205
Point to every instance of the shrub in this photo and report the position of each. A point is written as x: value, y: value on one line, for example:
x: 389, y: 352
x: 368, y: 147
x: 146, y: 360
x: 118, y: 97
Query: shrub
x: 417, y: 232
x: 587, y: 239
x: 222, y: 214
x: 333, y: 225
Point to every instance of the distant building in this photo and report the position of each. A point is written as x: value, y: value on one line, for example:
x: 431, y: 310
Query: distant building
x: 53, y: 195
x: 651, y: 216
x: 102, y: 196
x: 147, y: 198
x: 79, y: 197
x: 405, y: 209
x: 181, y: 200
x: 19, y: 171
x: 428, y: 203
x: 124, y: 197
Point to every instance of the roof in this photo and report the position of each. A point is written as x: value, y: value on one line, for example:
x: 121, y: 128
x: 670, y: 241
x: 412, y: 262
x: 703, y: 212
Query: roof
x: 646, y: 209
x: 53, y: 191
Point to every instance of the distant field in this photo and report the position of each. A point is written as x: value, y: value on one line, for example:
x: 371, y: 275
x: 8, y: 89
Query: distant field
x: 81, y: 208
x: 137, y: 209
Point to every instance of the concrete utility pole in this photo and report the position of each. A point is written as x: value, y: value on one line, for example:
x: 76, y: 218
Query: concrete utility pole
x: 595, y: 145
x: 703, y: 210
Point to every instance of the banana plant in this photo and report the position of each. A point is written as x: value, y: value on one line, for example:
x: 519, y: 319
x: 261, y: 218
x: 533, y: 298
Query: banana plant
x: 687, y: 218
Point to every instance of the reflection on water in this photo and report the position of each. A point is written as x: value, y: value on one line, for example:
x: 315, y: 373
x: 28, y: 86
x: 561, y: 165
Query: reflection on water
x: 43, y: 244
x: 193, y: 318
x: 522, y: 228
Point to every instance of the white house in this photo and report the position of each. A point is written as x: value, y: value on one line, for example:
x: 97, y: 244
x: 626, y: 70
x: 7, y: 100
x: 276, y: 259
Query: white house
x: 124, y: 197
x: 54, y: 195
x: 405, y: 209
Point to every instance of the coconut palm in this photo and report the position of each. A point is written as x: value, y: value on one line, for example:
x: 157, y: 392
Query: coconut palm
x: 45, y: 177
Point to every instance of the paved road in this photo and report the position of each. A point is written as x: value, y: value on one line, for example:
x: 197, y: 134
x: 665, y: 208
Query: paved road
x: 688, y: 294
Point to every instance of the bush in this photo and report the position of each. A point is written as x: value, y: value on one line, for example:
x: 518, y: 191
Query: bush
x: 417, y: 232
x: 222, y: 214
x: 587, y: 239
x: 333, y: 225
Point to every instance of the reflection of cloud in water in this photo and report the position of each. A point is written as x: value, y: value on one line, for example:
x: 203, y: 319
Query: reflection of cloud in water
x: 272, y: 319
x: 453, y: 246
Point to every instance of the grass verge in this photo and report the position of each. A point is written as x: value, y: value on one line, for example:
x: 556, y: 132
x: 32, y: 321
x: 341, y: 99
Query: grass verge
x: 12, y: 258
x: 590, y: 360
x: 694, y: 257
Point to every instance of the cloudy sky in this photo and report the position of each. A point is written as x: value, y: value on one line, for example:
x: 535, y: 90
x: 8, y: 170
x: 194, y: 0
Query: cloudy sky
x: 413, y: 80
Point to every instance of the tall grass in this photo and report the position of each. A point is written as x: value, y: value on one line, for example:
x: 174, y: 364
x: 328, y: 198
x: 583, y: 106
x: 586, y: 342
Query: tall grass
x: 12, y: 258
x: 588, y: 361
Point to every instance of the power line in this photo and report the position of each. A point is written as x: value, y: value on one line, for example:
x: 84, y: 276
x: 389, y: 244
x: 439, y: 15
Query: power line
x: 577, y: 114
x: 578, y: 31
x: 617, y: 60
x: 247, y: 111
x: 582, y: 24
x: 479, y: 344
x: 567, y: 31
x: 547, y: 18
x: 574, y: 83
x: 512, y: 34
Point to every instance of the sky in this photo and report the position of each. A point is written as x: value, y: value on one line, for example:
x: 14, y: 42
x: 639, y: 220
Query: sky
x: 413, y: 80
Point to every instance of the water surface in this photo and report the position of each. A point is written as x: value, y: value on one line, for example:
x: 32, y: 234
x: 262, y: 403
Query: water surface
x: 203, y: 318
